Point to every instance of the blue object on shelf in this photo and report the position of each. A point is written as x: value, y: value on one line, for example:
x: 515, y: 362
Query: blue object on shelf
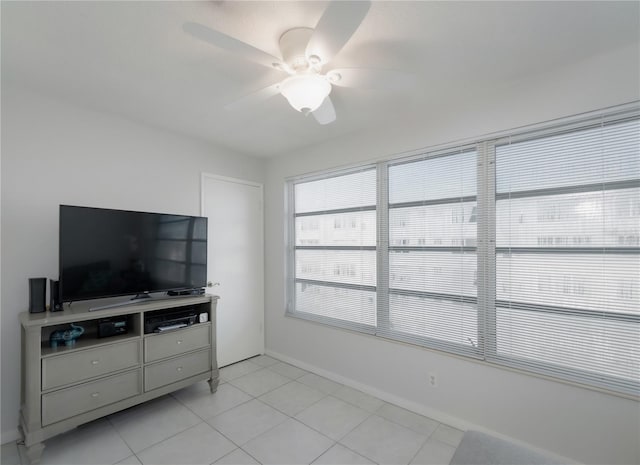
x: 68, y: 336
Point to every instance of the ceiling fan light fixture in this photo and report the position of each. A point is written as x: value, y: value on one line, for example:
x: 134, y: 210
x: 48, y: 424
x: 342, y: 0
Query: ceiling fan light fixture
x: 314, y: 60
x: 305, y: 92
x: 334, y: 77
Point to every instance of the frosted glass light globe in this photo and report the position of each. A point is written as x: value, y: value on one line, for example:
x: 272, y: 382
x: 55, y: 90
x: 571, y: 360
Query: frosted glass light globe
x: 305, y: 92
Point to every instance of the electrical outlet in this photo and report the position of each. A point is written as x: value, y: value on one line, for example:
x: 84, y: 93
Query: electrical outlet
x: 433, y: 379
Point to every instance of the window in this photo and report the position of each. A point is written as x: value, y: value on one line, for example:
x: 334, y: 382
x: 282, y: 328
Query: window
x: 568, y: 289
x: 523, y: 251
x: 335, y: 260
x: 432, y: 292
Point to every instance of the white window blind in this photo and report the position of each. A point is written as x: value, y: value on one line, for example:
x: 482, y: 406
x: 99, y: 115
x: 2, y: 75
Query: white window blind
x: 523, y: 251
x: 335, y: 249
x: 432, y: 268
x: 567, y: 297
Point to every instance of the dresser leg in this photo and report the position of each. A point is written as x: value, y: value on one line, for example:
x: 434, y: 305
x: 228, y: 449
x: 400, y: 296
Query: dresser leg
x: 34, y: 453
x: 213, y: 385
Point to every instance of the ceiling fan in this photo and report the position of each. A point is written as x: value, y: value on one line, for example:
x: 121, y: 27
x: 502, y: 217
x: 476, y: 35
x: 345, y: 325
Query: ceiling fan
x: 305, y: 52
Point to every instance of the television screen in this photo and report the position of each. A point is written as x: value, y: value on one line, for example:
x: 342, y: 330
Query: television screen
x: 105, y: 253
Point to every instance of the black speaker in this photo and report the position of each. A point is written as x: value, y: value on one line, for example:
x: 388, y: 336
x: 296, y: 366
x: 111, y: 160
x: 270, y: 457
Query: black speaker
x: 54, y: 296
x: 37, y: 294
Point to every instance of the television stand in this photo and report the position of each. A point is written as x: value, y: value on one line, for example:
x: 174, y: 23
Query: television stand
x: 68, y: 386
x: 141, y: 299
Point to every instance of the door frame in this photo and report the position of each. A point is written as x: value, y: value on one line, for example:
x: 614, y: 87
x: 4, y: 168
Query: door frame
x: 203, y: 177
x: 260, y: 186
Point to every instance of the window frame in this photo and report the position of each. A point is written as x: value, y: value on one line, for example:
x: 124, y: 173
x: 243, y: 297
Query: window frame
x: 291, y: 247
x: 384, y: 330
x: 486, y: 250
x: 564, y: 373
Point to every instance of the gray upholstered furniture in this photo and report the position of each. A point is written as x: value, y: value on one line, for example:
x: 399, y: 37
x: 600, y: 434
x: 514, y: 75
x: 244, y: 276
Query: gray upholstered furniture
x: 478, y: 448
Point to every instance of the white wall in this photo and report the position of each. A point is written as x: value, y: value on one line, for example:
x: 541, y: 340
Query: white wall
x: 582, y: 424
x: 52, y: 154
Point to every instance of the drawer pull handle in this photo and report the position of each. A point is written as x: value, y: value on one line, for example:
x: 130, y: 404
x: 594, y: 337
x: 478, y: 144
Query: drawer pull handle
x: 95, y: 394
x: 95, y: 362
x: 179, y: 368
x: 178, y: 342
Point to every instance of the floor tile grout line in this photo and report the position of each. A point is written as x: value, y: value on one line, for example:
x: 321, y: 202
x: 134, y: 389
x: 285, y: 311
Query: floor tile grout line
x: 169, y: 437
x: 356, y: 405
x: 251, y: 439
x: 375, y: 412
x: 293, y: 417
x: 224, y: 436
x: 324, y: 434
x: 304, y: 372
x: 313, y: 403
x: 332, y: 394
x: 405, y: 426
x: 424, y: 443
x: 324, y: 451
x: 225, y: 410
x: 238, y: 448
x: 123, y: 439
x: 222, y: 411
x: 249, y: 454
x: 288, y: 414
x: 325, y: 395
x: 266, y: 392
x: 334, y: 442
x: 323, y: 378
x: 276, y: 361
x: 369, y: 458
x: 356, y: 452
x: 282, y: 411
x: 369, y: 414
x: 242, y: 361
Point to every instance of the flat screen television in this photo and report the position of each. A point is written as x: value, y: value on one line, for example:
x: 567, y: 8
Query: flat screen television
x: 107, y: 253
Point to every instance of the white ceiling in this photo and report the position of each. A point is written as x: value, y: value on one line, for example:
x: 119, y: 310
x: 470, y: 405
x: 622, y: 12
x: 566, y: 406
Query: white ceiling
x: 133, y: 59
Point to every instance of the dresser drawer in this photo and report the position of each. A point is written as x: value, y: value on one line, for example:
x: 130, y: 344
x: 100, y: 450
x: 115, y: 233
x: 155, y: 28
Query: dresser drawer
x: 66, y: 403
x: 159, y: 346
x: 170, y: 371
x: 85, y: 364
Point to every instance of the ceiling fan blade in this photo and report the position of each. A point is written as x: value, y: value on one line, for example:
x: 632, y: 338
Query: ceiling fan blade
x: 371, y: 78
x: 232, y: 45
x: 325, y: 113
x: 254, y: 97
x: 336, y: 26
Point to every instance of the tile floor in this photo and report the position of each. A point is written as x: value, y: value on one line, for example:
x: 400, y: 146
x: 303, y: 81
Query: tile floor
x: 265, y: 411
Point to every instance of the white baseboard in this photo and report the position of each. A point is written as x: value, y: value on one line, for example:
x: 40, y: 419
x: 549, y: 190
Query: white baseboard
x: 415, y: 407
x: 387, y: 397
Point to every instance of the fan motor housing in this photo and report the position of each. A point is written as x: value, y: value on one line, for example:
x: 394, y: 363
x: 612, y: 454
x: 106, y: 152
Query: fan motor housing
x: 293, y: 44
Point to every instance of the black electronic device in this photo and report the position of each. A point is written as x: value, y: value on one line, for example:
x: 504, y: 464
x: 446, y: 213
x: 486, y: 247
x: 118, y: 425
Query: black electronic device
x: 55, y: 305
x: 107, y: 253
x: 160, y: 320
x: 184, y: 292
x: 113, y: 326
x: 37, y: 295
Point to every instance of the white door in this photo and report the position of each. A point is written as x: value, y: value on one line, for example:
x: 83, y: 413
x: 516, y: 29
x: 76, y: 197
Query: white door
x: 235, y: 260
